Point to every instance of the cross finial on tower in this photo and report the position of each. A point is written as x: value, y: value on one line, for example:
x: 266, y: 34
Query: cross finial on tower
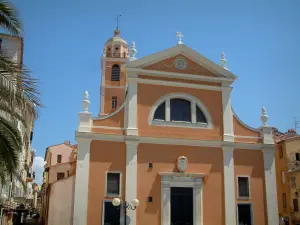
x: 118, y: 21
x: 180, y: 36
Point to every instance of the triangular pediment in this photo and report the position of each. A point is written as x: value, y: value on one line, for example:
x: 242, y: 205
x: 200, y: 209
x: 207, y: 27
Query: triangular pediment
x: 195, y: 63
x: 169, y: 65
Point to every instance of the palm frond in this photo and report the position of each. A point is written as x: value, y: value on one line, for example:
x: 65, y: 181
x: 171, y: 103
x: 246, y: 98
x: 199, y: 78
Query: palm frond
x: 9, y: 18
x: 18, y: 87
x: 10, y: 146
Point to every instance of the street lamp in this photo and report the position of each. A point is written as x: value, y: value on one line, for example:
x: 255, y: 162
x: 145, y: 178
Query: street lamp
x: 126, y: 206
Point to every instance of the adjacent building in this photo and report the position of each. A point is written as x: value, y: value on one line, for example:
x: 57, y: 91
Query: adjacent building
x: 168, y: 145
x: 288, y: 176
x: 12, y: 47
x: 58, y: 184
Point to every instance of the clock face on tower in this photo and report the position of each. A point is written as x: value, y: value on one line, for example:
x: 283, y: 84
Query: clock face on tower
x: 181, y: 63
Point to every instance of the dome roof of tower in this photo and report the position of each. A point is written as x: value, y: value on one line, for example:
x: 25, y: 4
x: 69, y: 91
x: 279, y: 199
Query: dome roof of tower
x: 116, y: 38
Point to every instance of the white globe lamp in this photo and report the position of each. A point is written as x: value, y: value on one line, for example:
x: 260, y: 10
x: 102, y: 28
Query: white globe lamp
x: 135, y: 202
x: 116, y: 202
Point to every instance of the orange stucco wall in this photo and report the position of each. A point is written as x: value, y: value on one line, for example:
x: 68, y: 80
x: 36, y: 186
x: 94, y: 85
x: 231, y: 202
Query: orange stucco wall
x: 241, y: 130
x: 179, y: 80
x: 104, y: 156
x: 200, y: 160
x: 149, y: 94
x: 168, y: 65
x: 250, y: 163
x: 108, y: 81
x: 116, y: 120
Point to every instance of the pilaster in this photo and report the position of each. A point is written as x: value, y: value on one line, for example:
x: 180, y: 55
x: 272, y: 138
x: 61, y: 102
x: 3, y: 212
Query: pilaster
x: 227, y: 115
x: 229, y: 184
x: 131, y: 176
x: 131, y: 128
x: 165, y: 204
x: 271, y: 188
x: 81, y: 182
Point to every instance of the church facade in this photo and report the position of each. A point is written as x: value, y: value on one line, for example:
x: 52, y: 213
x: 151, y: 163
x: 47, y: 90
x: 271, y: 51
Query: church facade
x: 168, y: 147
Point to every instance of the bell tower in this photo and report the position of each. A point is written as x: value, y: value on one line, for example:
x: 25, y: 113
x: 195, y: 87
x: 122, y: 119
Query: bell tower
x: 113, y: 80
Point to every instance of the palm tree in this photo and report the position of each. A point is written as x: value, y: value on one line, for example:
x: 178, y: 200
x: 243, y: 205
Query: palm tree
x: 19, y: 98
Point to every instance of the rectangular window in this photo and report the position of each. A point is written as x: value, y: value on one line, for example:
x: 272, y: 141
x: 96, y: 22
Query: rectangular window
x: 114, y: 102
x: 280, y: 152
x: 60, y: 176
x: 295, y: 204
x: 243, y: 187
x: 282, y: 177
x: 111, y: 213
x: 58, y: 158
x: 297, y: 156
x: 113, y: 184
x: 284, y: 200
x: 244, y: 214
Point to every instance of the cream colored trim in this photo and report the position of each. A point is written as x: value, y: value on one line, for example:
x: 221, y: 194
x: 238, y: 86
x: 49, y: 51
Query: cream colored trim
x: 238, y: 190
x: 187, y: 52
x: 170, y: 179
x: 187, y: 97
x: 82, y: 181
x: 109, y: 128
x: 248, y: 137
x: 103, y: 117
x: 116, y: 59
x: 180, y: 124
x: 131, y: 176
x: 229, y: 191
x: 179, y: 84
x: 175, y: 141
x: 112, y: 86
x: 131, y: 120
x: 270, y: 185
x: 185, y: 76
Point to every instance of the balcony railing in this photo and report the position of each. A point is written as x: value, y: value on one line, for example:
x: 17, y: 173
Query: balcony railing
x: 294, y: 165
x: 116, y: 55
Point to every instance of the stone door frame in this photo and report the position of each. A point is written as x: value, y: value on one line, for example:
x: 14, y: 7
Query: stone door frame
x: 172, y: 179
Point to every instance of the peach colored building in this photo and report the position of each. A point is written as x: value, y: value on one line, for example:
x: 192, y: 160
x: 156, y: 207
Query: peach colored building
x: 167, y: 135
x: 288, y: 176
x: 57, y: 158
x: 61, y: 202
x: 59, y: 167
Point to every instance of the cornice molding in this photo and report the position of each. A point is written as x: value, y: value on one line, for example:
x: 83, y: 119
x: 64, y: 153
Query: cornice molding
x: 175, y: 141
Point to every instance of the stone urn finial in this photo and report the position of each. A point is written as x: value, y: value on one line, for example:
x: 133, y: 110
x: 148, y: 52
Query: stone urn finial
x: 223, y: 61
x: 264, y: 116
x: 85, y: 102
x: 133, y: 51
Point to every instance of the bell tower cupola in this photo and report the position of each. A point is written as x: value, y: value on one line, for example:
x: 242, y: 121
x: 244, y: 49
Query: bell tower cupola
x: 113, y: 80
x: 116, y: 46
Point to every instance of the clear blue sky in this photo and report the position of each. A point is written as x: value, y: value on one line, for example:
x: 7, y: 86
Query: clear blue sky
x: 64, y: 40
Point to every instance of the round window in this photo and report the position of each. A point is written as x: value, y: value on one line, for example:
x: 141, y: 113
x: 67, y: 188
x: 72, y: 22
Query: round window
x: 181, y: 63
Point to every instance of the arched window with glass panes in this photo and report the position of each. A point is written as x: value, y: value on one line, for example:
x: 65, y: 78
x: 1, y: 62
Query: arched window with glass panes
x: 115, y: 73
x: 180, y: 111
